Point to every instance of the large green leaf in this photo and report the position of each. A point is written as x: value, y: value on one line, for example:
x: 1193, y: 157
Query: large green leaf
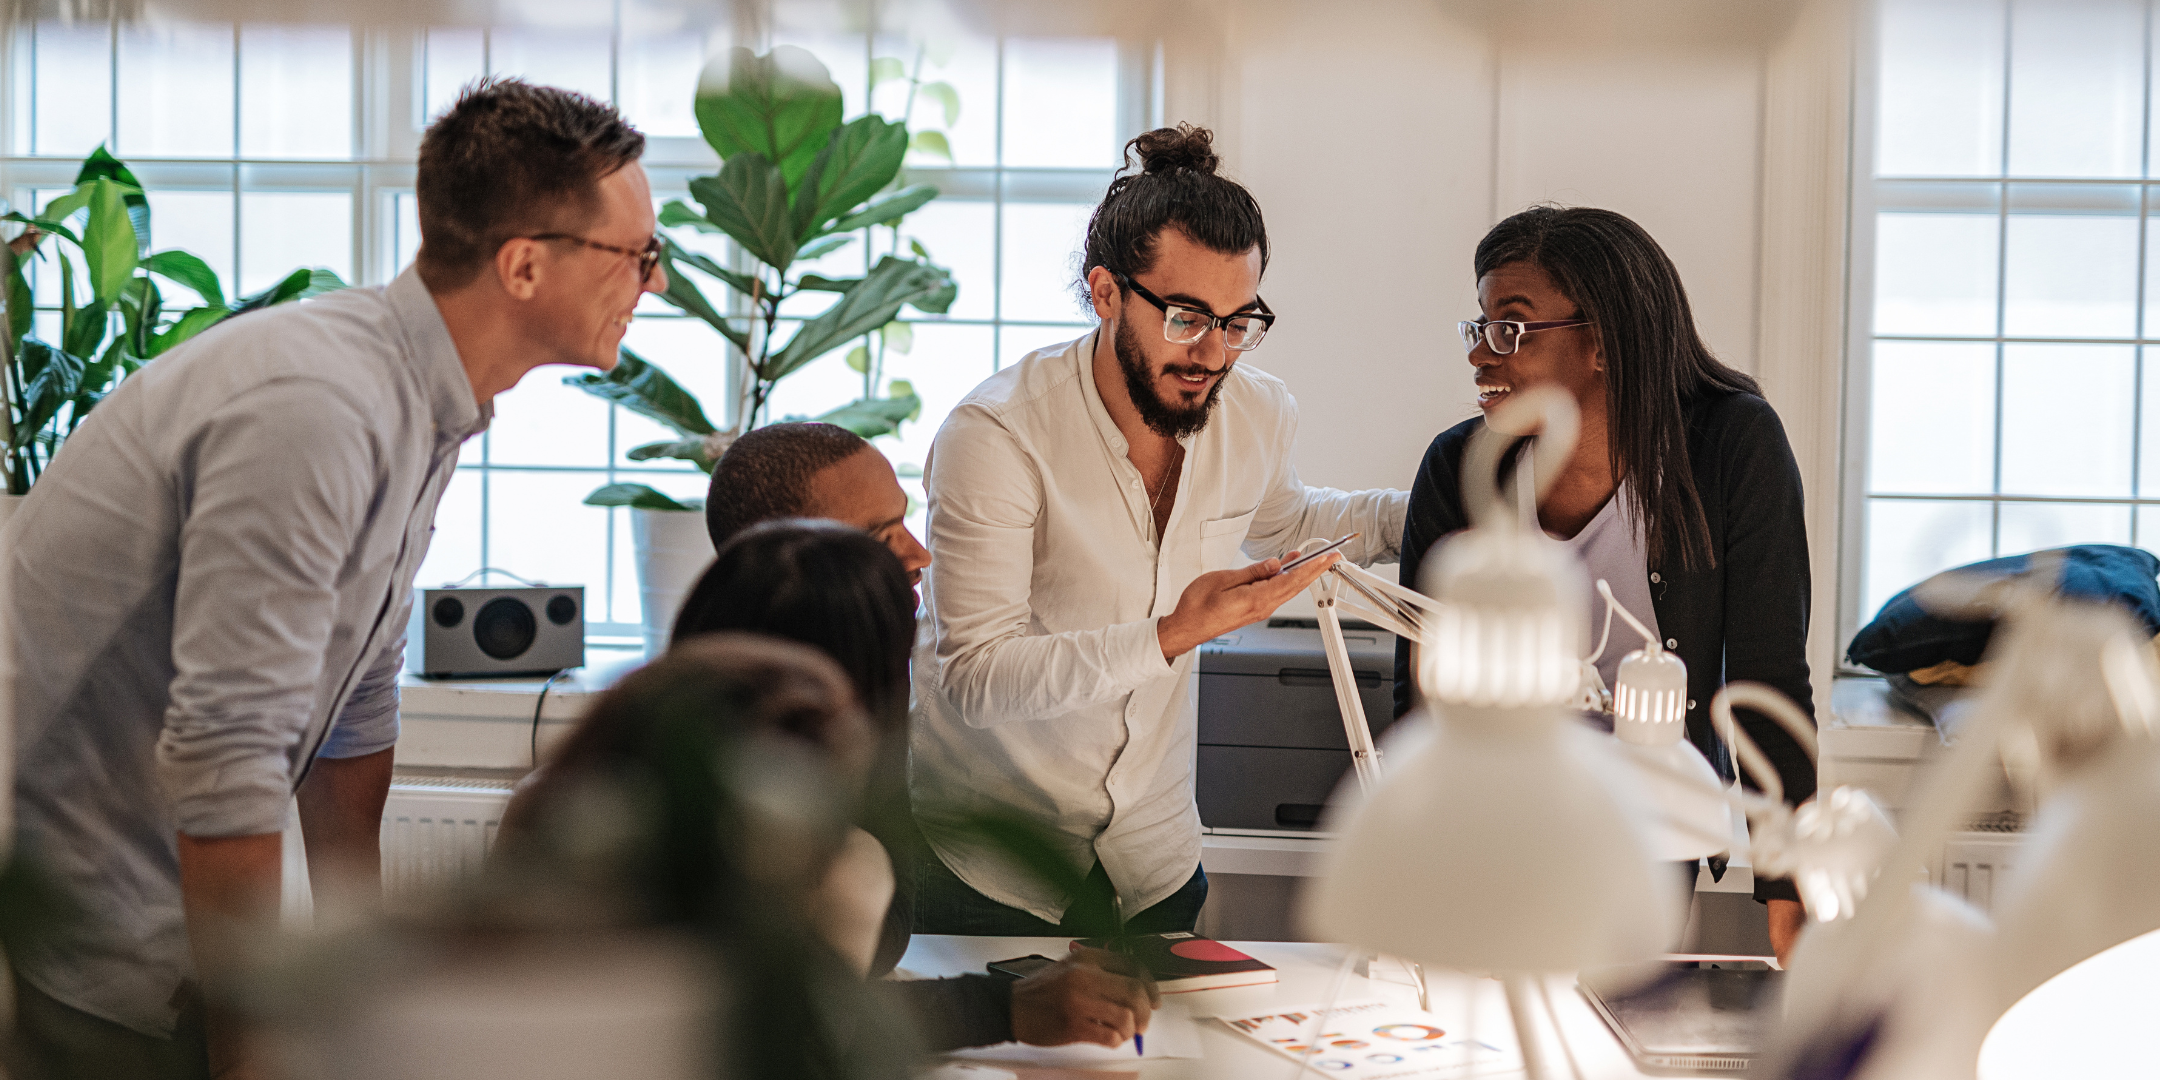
x: 676, y: 213
x: 693, y: 450
x: 821, y: 283
x: 637, y: 385
x: 872, y: 417
x: 819, y: 248
x: 13, y: 323
x: 298, y: 285
x: 867, y: 306
x: 58, y: 228
x: 57, y: 379
x: 780, y: 106
x: 188, y: 270
x: 194, y: 322
x: 891, y: 208
x: 742, y: 283
x: 749, y: 201
x: 109, y: 243
x: 944, y: 94
x: 85, y: 333
x: 684, y: 294
x: 857, y: 163
x: 636, y: 495
x: 101, y: 165
x: 20, y: 305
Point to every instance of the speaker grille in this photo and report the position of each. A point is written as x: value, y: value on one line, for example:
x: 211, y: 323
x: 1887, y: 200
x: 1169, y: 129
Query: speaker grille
x: 504, y: 628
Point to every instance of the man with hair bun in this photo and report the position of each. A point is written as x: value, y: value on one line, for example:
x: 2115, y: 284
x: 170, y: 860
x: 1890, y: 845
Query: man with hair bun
x: 219, y: 564
x: 1090, y: 509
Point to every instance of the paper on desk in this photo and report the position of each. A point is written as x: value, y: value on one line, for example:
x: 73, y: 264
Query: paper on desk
x: 1379, y: 1040
x: 1171, y: 1033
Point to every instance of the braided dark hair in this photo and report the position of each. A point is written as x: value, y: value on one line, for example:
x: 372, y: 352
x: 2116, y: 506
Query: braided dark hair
x: 1176, y: 185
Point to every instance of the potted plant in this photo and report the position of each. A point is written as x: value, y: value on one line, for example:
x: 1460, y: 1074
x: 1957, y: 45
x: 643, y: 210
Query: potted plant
x: 795, y: 184
x: 51, y: 386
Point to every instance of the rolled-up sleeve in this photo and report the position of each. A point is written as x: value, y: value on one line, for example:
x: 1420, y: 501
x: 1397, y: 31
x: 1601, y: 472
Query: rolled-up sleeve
x: 985, y: 496
x: 282, y: 482
x: 1292, y: 513
x: 369, y: 721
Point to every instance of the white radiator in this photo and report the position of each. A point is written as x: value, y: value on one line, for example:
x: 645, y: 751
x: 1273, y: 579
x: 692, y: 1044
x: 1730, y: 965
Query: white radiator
x: 437, y: 827
x: 1975, y: 862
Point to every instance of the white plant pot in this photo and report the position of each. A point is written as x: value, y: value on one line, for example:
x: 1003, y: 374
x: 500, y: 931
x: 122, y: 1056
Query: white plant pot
x: 673, y: 549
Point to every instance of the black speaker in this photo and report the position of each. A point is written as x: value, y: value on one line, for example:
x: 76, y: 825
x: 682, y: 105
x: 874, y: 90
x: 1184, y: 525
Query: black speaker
x: 480, y: 631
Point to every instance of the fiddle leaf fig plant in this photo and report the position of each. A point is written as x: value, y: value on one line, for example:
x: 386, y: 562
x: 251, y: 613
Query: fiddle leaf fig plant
x: 51, y: 386
x: 795, y: 184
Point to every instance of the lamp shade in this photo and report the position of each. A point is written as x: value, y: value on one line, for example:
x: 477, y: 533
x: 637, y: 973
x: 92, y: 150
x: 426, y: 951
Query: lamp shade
x: 1650, y: 698
x: 1505, y: 846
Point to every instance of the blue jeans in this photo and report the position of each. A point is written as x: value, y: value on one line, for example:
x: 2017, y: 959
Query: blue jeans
x: 944, y: 904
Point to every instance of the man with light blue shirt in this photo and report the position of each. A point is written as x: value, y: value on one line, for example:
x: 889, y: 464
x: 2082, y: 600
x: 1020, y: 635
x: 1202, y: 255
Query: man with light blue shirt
x: 212, y: 579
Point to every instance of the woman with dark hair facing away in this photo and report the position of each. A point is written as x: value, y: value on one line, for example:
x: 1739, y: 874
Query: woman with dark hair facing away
x: 844, y: 593
x: 1682, y: 491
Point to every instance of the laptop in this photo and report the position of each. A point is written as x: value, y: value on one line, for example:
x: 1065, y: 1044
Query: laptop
x: 1693, y: 1017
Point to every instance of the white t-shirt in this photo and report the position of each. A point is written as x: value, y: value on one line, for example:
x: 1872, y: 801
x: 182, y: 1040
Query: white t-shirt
x: 1612, y: 547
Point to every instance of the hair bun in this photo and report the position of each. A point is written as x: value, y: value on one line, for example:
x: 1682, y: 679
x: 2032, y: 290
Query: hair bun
x: 1182, y: 147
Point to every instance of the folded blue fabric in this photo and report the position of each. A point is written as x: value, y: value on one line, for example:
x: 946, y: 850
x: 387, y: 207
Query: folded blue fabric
x: 1906, y: 637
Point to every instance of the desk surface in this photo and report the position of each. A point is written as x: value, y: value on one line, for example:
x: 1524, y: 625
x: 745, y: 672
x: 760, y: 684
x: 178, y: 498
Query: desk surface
x: 1307, y: 973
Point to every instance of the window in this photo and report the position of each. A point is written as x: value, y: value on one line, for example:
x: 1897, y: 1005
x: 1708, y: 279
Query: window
x: 266, y: 147
x: 2009, y: 305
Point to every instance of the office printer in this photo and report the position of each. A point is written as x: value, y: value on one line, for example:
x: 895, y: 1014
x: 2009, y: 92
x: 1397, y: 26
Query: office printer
x: 1271, y: 737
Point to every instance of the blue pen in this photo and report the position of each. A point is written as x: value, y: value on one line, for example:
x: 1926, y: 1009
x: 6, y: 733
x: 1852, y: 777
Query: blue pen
x: 1139, y: 1044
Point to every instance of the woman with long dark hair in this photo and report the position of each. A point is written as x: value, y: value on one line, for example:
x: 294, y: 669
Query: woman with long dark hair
x: 1682, y: 491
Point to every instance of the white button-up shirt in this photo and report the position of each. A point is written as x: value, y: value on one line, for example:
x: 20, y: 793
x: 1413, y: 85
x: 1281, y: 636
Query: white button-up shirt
x: 1043, y: 689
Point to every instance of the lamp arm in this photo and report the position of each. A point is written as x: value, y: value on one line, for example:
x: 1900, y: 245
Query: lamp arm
x: 1357, y: 730
x: 1394, y: 608
x: 1545, y: 411
x: 1613, y: 605
x: 1778, y: 707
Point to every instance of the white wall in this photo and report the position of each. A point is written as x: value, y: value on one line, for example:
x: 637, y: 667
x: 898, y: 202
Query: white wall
x: 1384, y: 138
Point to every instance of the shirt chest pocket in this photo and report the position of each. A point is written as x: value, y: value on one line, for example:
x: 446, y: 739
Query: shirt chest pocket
x: 1221, y: 540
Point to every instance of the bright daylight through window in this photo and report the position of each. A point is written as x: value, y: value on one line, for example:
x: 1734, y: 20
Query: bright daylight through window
x: 2010, y: 399
x: 267, y: 147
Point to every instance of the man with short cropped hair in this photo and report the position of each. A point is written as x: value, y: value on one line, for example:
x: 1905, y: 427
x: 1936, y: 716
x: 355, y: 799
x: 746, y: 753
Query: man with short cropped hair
x: 219, y: 563
x: 811, y: 469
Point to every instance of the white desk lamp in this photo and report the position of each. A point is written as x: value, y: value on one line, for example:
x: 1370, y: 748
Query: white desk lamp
x: 1474, y: 850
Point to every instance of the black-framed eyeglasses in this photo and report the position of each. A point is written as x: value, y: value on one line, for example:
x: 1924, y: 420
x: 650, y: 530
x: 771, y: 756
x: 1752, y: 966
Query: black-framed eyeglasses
x: 647, y: 257
x: 1502, y: 336
x: 1184, y: 324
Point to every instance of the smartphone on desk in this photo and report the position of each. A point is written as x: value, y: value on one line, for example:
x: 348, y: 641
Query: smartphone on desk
x: 1021, y: 967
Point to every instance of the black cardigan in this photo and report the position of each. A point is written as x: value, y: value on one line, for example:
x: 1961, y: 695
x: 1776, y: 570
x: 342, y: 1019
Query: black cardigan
x: 1746, y: 617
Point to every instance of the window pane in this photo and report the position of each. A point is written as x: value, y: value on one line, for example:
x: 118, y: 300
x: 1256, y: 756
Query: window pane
x: 408, y: 231
x: 454, y: 59
x: 2050, y: 449
x: 2071, y: 273
x: 200, y: 223
x: 73, y: 88
x: 817, y: 387
x: 2148, y: 528
x: 2039, y: 526
x: 1935, y: 273
x: 1042, y: 244
x: 1941, y: 90
x: 660, y: 76
x: 964, y: 62
x: 1909, y: 540
x: 959, y: 236
x: 571, y: 59
x: 455, y: 550
x: 296, y: 85
x: 176, y: 90
x: 281, y: 231
x: 695, y: 357
x: 543, y: 422
x: 1933, y: 426
x: 1061, y: 102
x: 539, y: 527
x: 946, y: 363
x: 2077, y: 74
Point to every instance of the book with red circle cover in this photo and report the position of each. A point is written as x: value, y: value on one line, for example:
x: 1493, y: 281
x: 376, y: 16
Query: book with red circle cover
x: 1182, y: 963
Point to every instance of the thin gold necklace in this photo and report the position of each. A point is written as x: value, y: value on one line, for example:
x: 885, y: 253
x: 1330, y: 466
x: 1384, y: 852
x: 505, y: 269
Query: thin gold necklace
x: 1153, y: 500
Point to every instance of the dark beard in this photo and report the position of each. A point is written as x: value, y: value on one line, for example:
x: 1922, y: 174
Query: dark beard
x: 1160, y: 416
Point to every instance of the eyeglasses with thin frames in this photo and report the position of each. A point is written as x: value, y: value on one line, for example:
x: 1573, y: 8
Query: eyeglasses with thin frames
x: 647, y: 257
x: 1504, y: 336
x: 1184, y: 324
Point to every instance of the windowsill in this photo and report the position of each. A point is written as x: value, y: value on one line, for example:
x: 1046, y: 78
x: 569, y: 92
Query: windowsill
x: 499, y: 723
